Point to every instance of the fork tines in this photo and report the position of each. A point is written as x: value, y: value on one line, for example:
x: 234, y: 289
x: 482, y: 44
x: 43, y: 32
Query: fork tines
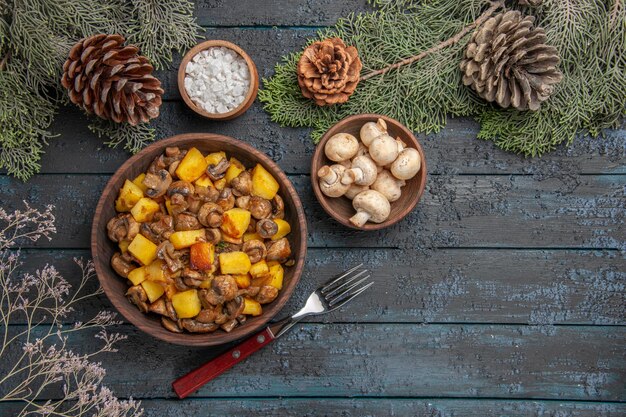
x: 343, y: 288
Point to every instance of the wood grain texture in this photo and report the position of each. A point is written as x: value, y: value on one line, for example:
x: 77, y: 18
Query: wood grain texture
x: 537, y: 287
x: 102, y: 248
x: 341, y: 209
x: 369, y: 407
x: 455, y: 211
x: 389, y: 360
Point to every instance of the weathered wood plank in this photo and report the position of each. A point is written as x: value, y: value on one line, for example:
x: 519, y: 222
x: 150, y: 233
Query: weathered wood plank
x: 367, y: 407
x: 455, y: 211
x: 275, y: 12
x: 396, y: 360
x: 539, y: 287
x: 453, y: 151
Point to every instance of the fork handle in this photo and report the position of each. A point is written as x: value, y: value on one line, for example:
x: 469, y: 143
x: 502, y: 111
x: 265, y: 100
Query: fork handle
x: 189, y: 383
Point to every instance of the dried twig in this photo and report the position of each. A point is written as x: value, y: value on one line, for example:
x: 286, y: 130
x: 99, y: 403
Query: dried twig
x: 451, y: 41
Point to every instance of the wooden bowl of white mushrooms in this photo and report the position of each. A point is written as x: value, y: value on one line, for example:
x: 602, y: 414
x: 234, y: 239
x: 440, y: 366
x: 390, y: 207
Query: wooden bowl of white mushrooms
x: 368, y: 171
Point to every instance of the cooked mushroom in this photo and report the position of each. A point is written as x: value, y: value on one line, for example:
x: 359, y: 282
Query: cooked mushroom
x: 137, y: 295
x: 213, y: 235
x: 218, y: 171
x: 407, y: 165
x: 278, y: 207
x: 171, y: 325
x: 279, y: 250
x: 232, y: 240
x: 191, y: 278
x: 181, y: 187
x: 230, y: 325
x: 163, y: 307
x: 157, y: 164
x: 207, y: 314
x: 172, y: 151
x: 249, y: 292
x: 173, y: 167
x: 255, y: 249
x: 330, y: 180
x: 157, y: 183
x: 371, y: 130
x: 243, y: 202
x: 186, y: 221
x: 120, y: 265
x: 194, y: 203
x: 166, y: 252
x: 251, y: 226
x: 242, y: 183
x: 363, y: 171
x: 388, y: 185
x: 162, y: 225
x: 178, y: 204
x: 266, y: 294
x: 234, y: 307
x: 259, y: 207
x: 354, y: 190
x: 341, y: 146
x: 207, y: 194
x: 266, y: 228
x: 226, y: 200
x: 122, y: 227
x: 370, y: 205
x: 147, y: 232
x: 383, y: 150
x: 180, y: 284
x: 225, y: 286
x: 210, y: 215
x: 195, y: 326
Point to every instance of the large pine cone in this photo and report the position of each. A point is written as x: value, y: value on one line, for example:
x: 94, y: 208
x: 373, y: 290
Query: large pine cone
x: 507, y: 61
x: 111, y: 80
x: 328, y: 71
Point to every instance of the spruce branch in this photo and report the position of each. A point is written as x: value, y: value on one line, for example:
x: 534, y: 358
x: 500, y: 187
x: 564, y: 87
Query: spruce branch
x: 450, y: 41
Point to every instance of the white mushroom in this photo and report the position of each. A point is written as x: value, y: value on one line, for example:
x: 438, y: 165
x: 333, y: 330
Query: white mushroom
x: 341, y: 147
x: 362, y: 150
x: 407, y: 164
x: 384, y: 150
x: 354, y: 190
x: 362, y: 171
x: 330, y: 180
x: 370, y: 131
x: 370, y: 205
x: 388, y: 185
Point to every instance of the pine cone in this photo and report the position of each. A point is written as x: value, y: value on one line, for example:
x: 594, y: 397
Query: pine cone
x: 111, y: 80
x: 328, y: 71
x: 531, y: 3
x: 507, y: 61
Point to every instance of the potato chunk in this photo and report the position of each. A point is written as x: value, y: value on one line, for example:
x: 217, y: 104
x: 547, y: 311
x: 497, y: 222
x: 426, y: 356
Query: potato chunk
x: 204, y: 181
x: 192, y: 166
x: 252, y: 236
x: 251, y: 307
x: 234, y: 169
x: 234, y: 263
x: 156, y: 271
x: 276, y: 273
x: 186, y: 238
x: 259, y: 269
x: 242, y: 280
x: 145, y: 209
x: 263, y: 184
x: 214, y: 158
x: 137, y: 275
x: 283, y: 229
x: 202, y: 256
x: 236, y: 222
x: 143, y: 249
x: 187, y: 304
x: 130, y: 194
x: 138, y: 181
x: 154, y: 290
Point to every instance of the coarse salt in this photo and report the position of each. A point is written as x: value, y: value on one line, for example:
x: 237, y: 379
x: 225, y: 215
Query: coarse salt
x: 217, y: 79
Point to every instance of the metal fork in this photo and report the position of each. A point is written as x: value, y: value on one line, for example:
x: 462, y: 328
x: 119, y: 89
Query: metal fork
x: 335, y: 293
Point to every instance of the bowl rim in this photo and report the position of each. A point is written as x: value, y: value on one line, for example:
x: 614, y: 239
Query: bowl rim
x: 190, y: 339
x: 318, y: 155
x: 252, y: 91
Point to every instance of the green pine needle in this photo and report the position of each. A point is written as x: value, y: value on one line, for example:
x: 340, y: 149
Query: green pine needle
x: 589, y: 34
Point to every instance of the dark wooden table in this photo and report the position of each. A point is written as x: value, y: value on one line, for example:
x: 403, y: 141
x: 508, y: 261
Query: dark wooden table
x: 501, y: 294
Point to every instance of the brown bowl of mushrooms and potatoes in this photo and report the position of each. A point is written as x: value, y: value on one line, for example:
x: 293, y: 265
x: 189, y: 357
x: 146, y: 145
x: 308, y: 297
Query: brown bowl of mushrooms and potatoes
x: 199, y: 239
x: 368, y: 171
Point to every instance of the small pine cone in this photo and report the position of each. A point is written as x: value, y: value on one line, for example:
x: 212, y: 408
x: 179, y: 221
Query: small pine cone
x: 507, y: 61
x: 328, y: 71
x: 111, y: 80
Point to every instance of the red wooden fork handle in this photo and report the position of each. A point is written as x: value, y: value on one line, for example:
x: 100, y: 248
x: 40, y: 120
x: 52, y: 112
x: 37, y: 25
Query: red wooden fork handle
x: 189, y: 383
